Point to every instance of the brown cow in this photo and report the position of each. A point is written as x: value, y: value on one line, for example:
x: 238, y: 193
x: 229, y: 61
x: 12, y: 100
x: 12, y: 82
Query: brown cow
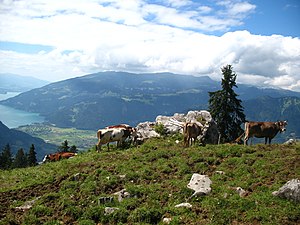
x: 191, y: 131
x: 58, y: 156
x: 267, y: 130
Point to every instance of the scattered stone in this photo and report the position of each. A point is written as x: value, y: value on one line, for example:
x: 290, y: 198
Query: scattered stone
x: 27, y: 205
x: 76, y: 177
x: 242, y: 193
x: 200, y: 184
x: 167, y: 220
x: 290, y: 191
x: 110, y: 210
x: 103, y: 200
x: 122, y: 194
x: 220, y: 172
x: 187, y: 205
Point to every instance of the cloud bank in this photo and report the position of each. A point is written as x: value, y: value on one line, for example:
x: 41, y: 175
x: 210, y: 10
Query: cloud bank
x: 142, y: 36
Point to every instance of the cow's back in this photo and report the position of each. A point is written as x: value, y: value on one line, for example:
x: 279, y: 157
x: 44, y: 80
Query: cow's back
x: 261, y: 129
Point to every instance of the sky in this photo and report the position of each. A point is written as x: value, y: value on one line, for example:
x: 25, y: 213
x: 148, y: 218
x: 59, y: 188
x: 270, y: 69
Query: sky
x: 59, y: 39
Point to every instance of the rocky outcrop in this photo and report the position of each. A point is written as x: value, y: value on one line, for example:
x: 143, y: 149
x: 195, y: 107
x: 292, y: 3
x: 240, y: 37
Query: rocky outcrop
x: 174, y: 124
x: 291, y: 190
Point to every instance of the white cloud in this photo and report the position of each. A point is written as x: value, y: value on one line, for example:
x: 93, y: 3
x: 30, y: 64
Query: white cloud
x: 137, y: 36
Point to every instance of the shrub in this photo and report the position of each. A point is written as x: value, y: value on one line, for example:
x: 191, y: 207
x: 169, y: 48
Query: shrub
x: 160, y: 129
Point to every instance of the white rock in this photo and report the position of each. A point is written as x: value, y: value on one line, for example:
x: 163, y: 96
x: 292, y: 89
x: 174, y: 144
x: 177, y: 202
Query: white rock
x: 200, y: 184
x: 167, y: 220
x: 242, y: 193
x: 110, y: 210
x: 27, y: 205
x: 187, y: 205
x: 291, y: 190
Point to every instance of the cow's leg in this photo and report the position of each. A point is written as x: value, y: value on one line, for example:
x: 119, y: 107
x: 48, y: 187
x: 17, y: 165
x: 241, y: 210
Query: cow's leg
x: 108, y: 146
x: 266, y: 140
x: 270, y: 140
x: 98, y: 146
x: 185, y: 141
x: 246, y: 140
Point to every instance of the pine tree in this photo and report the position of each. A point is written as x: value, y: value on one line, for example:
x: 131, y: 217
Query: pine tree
x: 31, y: 158
x: 64, y: 147
x: 226, y: 108
x: 73, y: 149
x: 6, y: 158
x: 20, y: 160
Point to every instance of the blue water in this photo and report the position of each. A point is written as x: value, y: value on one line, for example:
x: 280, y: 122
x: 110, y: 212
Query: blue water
x: 13, y: 118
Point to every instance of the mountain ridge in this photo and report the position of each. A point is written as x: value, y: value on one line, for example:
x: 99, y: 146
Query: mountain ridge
x: 18, y: 139
x: 18, y: 83
x: 100, y: 99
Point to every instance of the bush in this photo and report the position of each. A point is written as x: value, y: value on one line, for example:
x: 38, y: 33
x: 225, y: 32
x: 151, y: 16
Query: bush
x: 160, y: 129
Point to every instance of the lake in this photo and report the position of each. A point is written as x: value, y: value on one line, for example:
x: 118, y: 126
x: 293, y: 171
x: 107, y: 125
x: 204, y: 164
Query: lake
x: 13, y: 118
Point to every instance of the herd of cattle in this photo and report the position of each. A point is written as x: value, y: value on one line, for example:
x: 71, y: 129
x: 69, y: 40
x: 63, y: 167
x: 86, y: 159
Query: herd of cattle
x: 191, y: 131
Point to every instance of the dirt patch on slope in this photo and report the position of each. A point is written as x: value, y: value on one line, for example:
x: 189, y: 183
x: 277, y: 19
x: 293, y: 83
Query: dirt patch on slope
x: 9, y: 198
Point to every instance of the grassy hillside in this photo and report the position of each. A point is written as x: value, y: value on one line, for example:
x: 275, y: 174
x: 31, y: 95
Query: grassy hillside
x: 156, y: 175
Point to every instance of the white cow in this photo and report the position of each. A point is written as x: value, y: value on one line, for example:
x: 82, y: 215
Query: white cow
x: 117, y: 133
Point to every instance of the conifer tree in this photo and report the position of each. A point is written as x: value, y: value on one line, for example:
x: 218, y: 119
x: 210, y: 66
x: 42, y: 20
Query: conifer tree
x: 226, y: 108
x: 20, y: 160
x: 6, y: 158
x: 31, y: 158
x: 73, y: 149
x: 64, y: 146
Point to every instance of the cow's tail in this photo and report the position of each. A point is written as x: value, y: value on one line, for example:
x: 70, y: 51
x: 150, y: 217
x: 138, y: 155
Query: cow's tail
x: 239, y: 138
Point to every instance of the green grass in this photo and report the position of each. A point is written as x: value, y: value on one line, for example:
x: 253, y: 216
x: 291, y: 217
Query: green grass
x: 156, y: 176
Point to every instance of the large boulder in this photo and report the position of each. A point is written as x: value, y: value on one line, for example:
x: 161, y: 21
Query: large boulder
x: 145, y: 131
x: 174, y: 124
x: 291, y: 190
x: 168, y: 123
x: 202, y: 116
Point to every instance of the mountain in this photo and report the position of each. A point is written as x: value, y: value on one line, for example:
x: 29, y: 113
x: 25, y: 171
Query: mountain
x: 17, y: 83
x: 97, y: 100
x: 18, y: 139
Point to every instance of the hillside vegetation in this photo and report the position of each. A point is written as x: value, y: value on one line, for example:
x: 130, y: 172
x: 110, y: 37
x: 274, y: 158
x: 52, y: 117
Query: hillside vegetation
x: 156, y: 175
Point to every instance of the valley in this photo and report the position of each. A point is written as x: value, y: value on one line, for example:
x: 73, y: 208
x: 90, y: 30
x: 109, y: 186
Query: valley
x: 82, y: 139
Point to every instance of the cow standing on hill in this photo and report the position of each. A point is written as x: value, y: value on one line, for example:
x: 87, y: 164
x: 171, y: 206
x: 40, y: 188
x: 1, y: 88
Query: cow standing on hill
x: 267, y: 130
x: 116, y: 133
x: 191, y: 131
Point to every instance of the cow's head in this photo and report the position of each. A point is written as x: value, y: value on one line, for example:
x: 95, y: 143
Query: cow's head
x: 281, y: 125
